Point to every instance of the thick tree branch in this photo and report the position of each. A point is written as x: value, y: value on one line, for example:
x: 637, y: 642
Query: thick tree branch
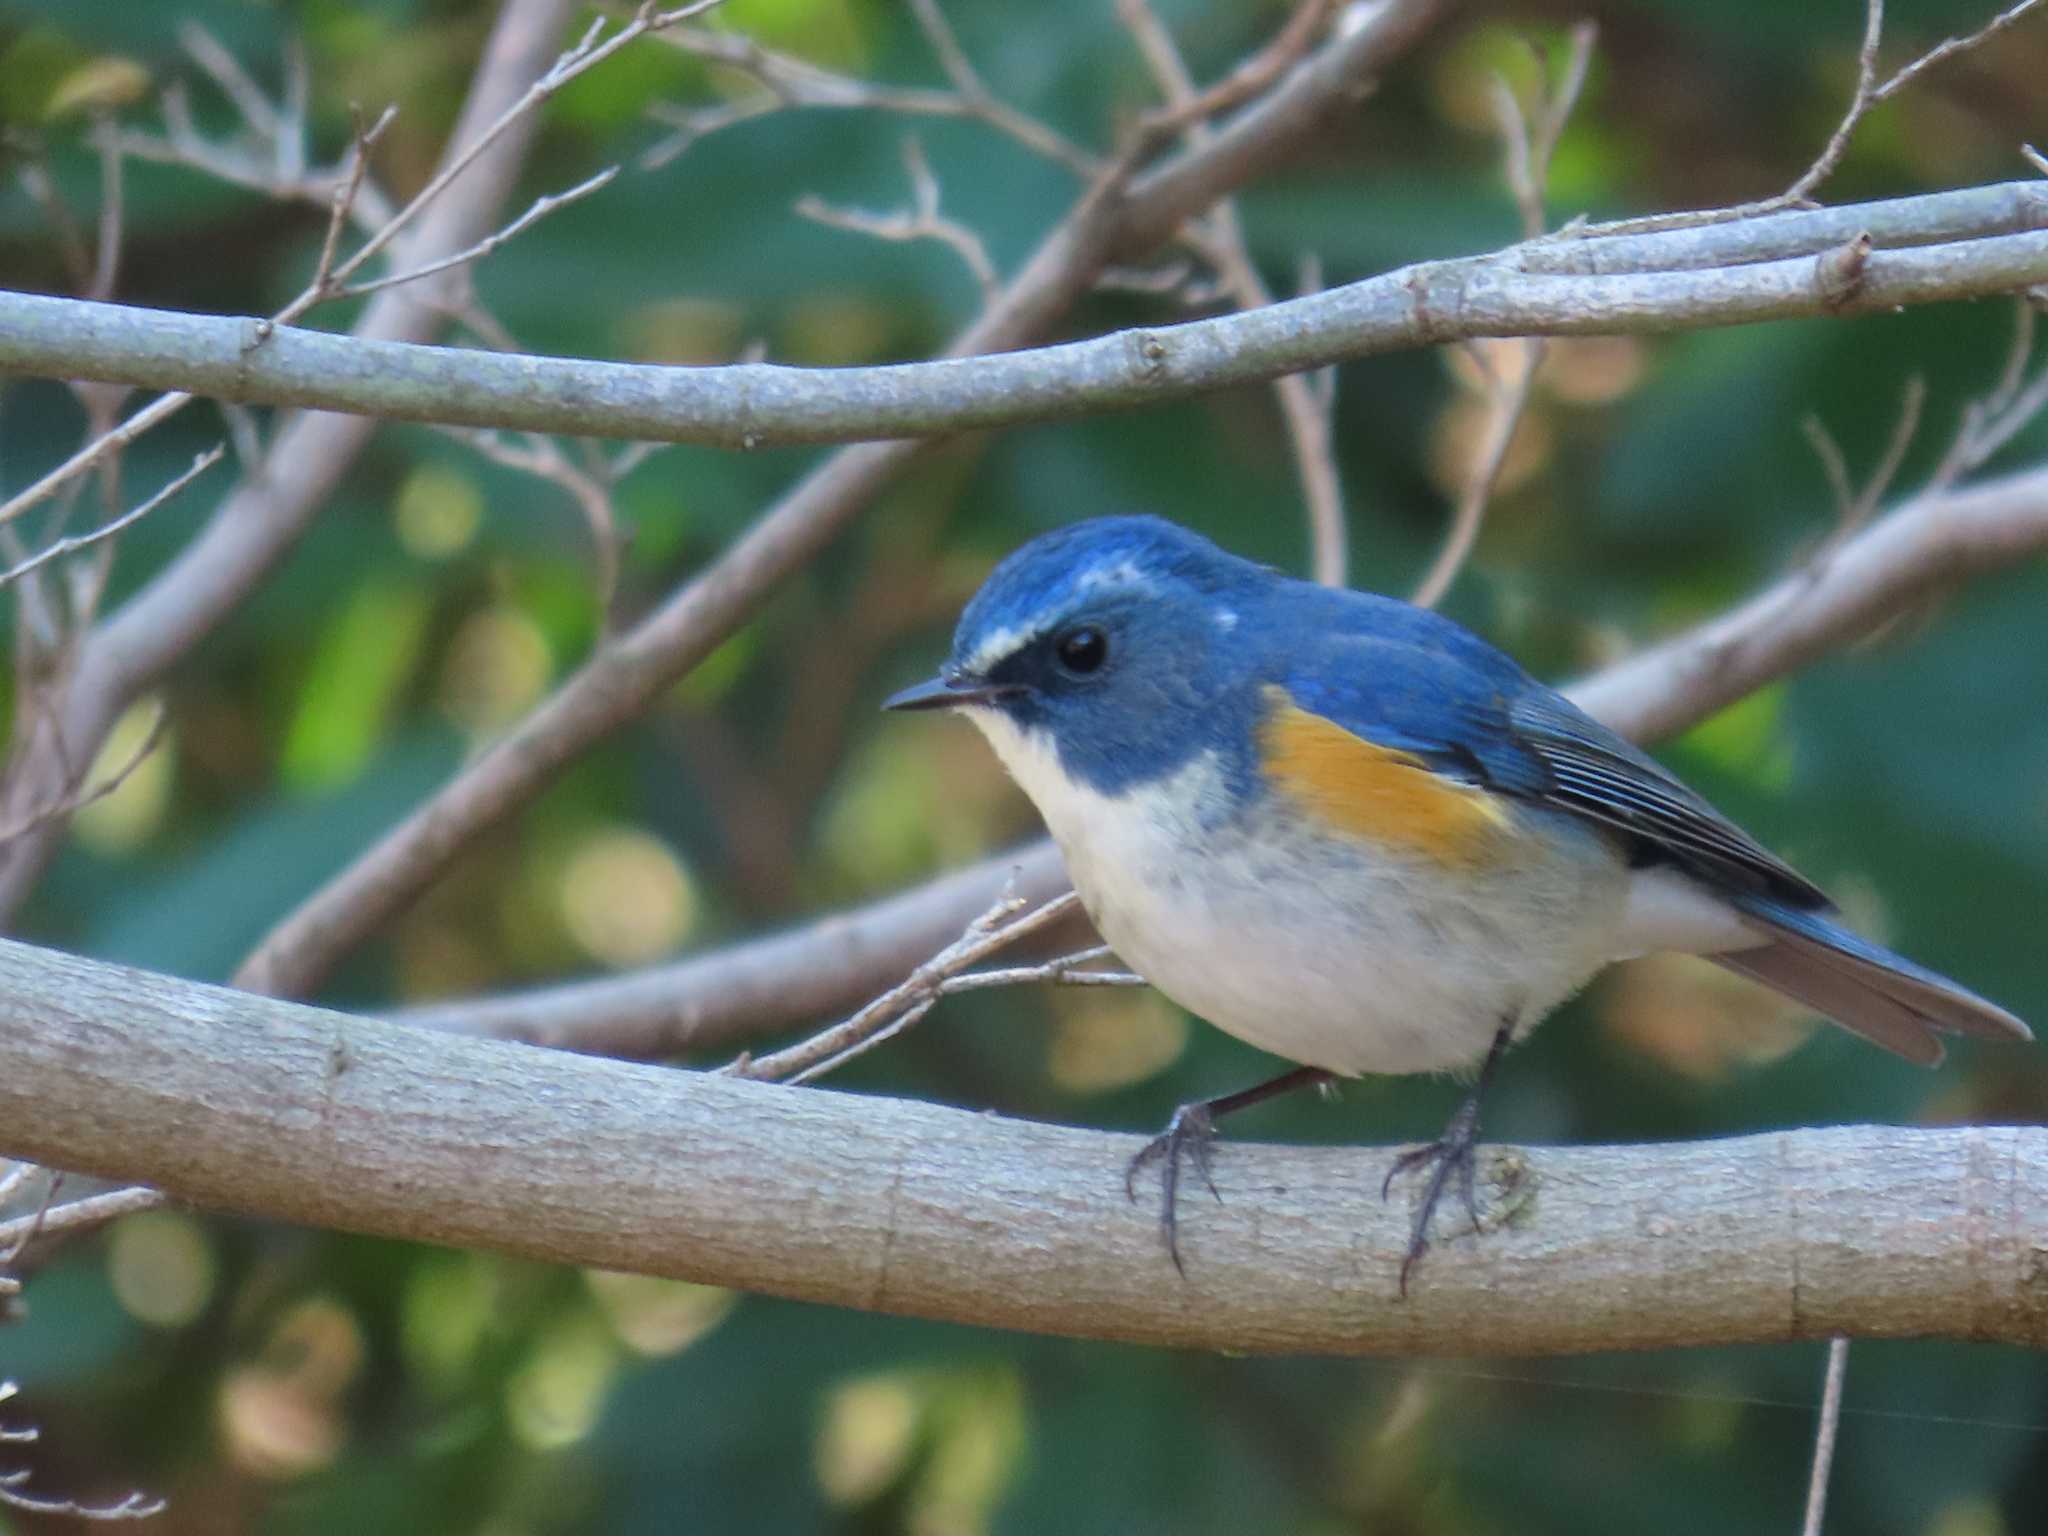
x: 624, y: 677
x: 246, y: 1104
x: 1539, y: 290
x: 709, y: 1002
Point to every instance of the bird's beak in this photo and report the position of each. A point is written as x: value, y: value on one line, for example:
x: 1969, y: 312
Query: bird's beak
x: 948, y: 691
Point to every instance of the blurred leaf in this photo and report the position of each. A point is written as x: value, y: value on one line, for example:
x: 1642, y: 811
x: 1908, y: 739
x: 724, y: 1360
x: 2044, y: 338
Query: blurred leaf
x: 104, y: 85
x: 369, y: 651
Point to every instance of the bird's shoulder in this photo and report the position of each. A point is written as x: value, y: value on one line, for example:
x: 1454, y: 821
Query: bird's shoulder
x: 1402, y: 679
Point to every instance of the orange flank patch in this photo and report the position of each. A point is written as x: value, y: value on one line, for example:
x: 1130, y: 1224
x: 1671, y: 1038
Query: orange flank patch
x: 1379, y: 793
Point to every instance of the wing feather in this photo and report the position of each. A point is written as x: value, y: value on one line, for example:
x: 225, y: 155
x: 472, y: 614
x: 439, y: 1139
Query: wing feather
x: 1466, y: 709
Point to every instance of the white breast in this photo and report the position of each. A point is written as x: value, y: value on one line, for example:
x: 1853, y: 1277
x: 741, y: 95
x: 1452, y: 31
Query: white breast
x: 1321, y: 947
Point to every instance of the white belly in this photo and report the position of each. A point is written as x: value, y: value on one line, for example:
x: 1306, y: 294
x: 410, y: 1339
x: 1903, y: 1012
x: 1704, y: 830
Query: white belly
x: 1323, y: 948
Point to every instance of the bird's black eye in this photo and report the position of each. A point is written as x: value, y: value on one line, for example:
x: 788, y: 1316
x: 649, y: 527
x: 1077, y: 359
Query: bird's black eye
x: 1082, y: 650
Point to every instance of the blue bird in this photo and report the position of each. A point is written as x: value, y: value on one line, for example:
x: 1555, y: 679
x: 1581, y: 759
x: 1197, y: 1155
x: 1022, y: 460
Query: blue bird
x: 1356, y: 835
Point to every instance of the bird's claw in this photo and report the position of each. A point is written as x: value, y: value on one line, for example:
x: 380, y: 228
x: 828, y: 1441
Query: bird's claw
x: 1453, y: 1154
x: 1187, y: 1135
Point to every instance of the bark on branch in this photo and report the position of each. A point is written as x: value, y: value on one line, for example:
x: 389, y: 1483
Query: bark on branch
x: 1947, y: 246
x: 275, y: 1109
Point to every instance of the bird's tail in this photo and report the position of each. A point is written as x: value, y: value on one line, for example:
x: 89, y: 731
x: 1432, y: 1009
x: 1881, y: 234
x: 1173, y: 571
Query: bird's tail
x: 1862, y: 986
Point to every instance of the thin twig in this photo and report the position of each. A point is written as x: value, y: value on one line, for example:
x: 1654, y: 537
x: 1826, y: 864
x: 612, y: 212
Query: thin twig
x: 134, y: 1506
x: 1253, y: 75
x: 274, y: 160
x: 81, y: 1215
x: 1305, y: 414
x: 586, y: 55
x: 72, y: 544
x: 116, y: 439
x: 787, y: 81
x: 35, y: 179
x: 347, y: 188
x: 107, y: 263
x: 1860, y: 103
x: 1507, y: 398
x: 1824, y: 1437
x: 922, y: 221
x: 1855, y: 508
x: 1950, y: 46
x: 541, y: 208
x: 12, y: 1180
x: 589, y: 485
x: 985, y: 104
x: 1868, y: 94
x: 332, y: 280
x: 32, y: 1226
x: 910, y: 999
x: 78, y: 800
x: 1990, y: 422
x: 1529, y: 146
x: 226, y: 71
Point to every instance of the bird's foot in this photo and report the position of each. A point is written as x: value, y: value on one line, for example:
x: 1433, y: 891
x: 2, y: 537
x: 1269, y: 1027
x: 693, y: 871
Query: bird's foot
x: 1452, y: 1155
x: 1187, y: 1136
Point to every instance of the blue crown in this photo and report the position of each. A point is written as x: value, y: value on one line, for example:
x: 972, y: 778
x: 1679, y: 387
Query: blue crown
x: 1062, y: 571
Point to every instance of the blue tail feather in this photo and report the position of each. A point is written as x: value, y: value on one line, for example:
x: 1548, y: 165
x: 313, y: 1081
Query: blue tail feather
x: 1862, y: 985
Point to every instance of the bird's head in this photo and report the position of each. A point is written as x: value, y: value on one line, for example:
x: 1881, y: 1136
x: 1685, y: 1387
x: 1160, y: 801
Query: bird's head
x: 1121, y: 644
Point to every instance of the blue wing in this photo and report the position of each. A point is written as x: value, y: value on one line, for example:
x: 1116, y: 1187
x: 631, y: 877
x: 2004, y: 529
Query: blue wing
x: 1405, y: 678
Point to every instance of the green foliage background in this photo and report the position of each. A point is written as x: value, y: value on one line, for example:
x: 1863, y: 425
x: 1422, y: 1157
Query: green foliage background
x: 306, y: 1382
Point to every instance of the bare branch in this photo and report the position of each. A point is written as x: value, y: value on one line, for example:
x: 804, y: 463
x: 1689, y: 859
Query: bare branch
x: 984, y: 104
x: 1854, y: 508
x: 1860, y: 103
x: 247, y: 1104
x: 1507, y: 398
x: 272, y: 157
x: 35, y: 180
x: 107, y: 263
x: 1221, y: 240
x: 710, y: 1002
x: 1824, y: 1437
x: 908, y: 1001
x: 1251, y: 77
x: 72, y: 545
x: 347, y: 189
x: 12, y: 1180
x: 331, y: 278
x: 1868, y: 94
x: 1526, y: 290
x: 81, y: 1215
x: 1951, y: 46
x: 541, y: 208
x: 922, y: 222
x: 1530, y: 142
x: 788, y: 81
x: 259, y: 522
x: 93, y: 794
x: 592, y: 50
x: 1990, y: 423
x: 589, y: 486
x: 226, y: 71
x: 1927, y: 544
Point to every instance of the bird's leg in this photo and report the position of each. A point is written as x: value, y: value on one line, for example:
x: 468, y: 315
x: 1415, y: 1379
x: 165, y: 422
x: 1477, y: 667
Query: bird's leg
x: 1188, y: 1134
x: 1453, y: 1153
